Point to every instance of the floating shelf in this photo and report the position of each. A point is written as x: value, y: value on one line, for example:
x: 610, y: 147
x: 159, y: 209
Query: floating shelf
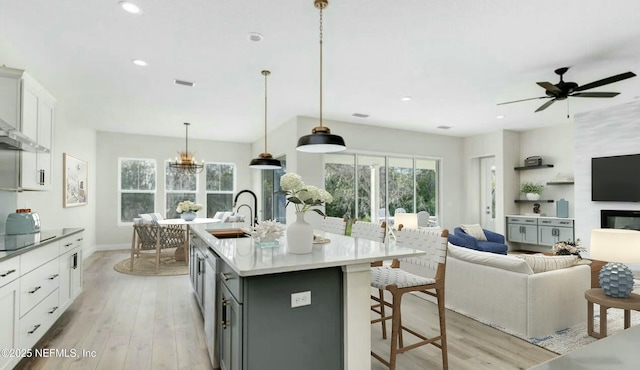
x: 560, y: 183
x: 533, y: 167
x: 534, y: 201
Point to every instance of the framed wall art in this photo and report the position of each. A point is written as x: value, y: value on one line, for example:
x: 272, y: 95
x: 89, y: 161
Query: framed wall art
x: 75, y: 181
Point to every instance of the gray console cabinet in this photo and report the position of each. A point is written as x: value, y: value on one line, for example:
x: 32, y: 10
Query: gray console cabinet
x: 544, y: 231
x: 551, y: 231
x: 522, y: 230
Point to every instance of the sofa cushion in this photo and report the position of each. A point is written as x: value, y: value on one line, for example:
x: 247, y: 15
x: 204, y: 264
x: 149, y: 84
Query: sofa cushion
x: 509, y: 263
x: 492, y: 247
x: 474, y: 230
x: 542, y: 263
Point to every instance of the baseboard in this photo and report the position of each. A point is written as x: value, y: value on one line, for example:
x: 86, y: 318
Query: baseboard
x: 112, y: 247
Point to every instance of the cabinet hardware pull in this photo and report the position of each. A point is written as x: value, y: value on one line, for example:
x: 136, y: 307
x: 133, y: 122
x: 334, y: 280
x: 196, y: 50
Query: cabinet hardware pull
x: 34, y: 329
x: 41, y: 177
x: 225, y: 277
x: 74, y: 264
x: 68, y: 244
x: 35, y: 289
x: 200, y: 260
x: 224, y: 322
x: 53, y: 276
x: 80, y: 239
x: 54, y: 309
x: 8, y: 272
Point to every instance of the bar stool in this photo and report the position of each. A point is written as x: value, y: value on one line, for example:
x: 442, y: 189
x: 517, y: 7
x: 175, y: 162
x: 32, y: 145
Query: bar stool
x: 335, y: 225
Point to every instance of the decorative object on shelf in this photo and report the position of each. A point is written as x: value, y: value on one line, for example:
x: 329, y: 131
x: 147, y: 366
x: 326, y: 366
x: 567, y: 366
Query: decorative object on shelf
x: 267, y: 233
x: 536, y: 208
x: 188, y: 209
x: 619, y: 246
x: 75, y: 181
x: 561, y: 179
x: 533, y: 161
x: 568, y: 247
x: 304, y: 198
x: 265, y: 160
x: 531, y: 190
x: 321, y: 139
x: 187, y: 162
x: 562, y: 208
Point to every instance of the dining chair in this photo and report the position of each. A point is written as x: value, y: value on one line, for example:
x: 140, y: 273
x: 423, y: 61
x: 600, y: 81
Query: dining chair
x: 335, y: 225
x: 155, y: 237
x: 398, y: 282
x: 375, y: 231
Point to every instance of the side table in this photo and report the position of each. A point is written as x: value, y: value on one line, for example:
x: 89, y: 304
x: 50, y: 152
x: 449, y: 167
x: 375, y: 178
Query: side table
x: 596, y: 295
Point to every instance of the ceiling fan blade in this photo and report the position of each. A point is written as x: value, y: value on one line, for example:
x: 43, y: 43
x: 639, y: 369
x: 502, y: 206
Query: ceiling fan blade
x: 517, y: 101
x: 605, y: 81
x: 545, y: 105
x: 549, y: 86
x: 595, y: 94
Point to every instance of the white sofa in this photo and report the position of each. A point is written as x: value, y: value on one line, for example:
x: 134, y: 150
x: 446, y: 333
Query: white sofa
x: 503, y: 291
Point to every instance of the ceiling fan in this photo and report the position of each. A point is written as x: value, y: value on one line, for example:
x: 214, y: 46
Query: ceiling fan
x: 563, y: 90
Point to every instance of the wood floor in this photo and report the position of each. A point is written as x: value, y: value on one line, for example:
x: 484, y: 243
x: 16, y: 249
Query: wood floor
x: 141, y: 322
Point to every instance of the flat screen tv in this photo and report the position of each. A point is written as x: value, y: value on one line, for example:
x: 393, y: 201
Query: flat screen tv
x: 616, y: 179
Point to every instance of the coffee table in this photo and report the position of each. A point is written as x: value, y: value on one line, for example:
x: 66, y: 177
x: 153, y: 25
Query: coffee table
x: 597, y: 295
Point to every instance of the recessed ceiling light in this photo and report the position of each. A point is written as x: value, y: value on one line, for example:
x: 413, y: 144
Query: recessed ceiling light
x: 360, y: 115
x: 184, y: 83
x: 255, y: 36
x: 130, y: 7
x: 443, y: 127
x: 500, y: 116
x: 139, y: 62
x: 406, y: 98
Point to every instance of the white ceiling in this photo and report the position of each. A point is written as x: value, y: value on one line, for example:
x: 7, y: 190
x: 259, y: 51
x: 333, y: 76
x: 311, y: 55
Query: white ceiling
x: 457, y: 59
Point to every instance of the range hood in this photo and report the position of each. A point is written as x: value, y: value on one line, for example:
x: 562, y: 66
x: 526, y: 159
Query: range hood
x: 11, y: 139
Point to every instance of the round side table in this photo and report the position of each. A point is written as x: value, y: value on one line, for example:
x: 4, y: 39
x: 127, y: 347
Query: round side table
x: 596, y: 295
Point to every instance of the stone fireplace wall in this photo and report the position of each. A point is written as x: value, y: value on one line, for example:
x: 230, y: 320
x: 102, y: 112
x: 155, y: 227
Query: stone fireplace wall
x: 606, y: 132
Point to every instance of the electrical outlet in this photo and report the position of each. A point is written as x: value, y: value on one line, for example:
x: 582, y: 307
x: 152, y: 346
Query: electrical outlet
x: 301, y: 299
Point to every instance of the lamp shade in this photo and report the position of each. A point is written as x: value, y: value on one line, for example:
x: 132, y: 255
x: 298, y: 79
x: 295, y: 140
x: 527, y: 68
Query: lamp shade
x: 321, y: 142
x: 265, y: 162
x: 615, y: 245
x: 407, y: 220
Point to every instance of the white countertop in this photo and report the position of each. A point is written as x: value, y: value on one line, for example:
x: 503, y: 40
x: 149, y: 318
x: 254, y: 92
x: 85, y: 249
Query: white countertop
x: 618, y: 351
x: 545, y: 217
x: 248, y: 259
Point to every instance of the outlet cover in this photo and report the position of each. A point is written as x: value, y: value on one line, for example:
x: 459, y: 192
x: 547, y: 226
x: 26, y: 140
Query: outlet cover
x: 301, y: 299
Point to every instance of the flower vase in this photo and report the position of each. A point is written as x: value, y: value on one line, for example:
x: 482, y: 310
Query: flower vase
x: 532, y: 196
x: 188, y: 216
x: 300, y: 235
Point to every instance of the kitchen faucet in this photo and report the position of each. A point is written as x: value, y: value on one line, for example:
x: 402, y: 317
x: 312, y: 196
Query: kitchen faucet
x: 255, y: 204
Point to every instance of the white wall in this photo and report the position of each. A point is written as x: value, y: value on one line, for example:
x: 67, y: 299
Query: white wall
x: 606, y: 132
x: 111, y: 146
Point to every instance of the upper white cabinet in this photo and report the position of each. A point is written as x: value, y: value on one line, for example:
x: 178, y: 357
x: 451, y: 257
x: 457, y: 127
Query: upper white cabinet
x: 29, y: 108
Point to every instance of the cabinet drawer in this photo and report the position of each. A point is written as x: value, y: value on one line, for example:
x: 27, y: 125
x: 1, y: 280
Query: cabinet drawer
x: 232, y: 280
x: 38, y: 257
x: 556, y: 223
x: 38, y: 284
x: 522, y: 220
x: 38, y: 321
x: 70, y: 243
x: 9, y: 270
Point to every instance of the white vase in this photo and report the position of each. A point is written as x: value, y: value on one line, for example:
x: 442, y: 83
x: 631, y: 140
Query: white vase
x: 532, y: 196
x: 300, y: 236
x: 188, y: 216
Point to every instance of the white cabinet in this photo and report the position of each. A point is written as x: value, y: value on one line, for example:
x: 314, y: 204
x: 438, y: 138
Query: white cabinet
x: 9, y: 309
x: 70, y: 270
x: 31, y: 110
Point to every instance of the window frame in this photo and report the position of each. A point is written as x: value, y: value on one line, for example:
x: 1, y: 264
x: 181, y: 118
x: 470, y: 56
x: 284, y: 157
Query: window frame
x: 167, y: 192
x: 121, y: 191
x: 207, y: 191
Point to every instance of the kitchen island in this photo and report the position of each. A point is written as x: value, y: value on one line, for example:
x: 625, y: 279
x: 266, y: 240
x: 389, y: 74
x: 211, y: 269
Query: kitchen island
x: 283, y: 311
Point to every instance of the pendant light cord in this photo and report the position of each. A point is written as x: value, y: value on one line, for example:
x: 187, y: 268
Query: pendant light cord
x: 186, y: 139
x: 265, y: 73
x: 321, y: 65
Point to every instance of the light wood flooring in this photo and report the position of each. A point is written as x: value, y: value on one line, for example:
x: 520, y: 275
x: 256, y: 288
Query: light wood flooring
x: 142, y: 322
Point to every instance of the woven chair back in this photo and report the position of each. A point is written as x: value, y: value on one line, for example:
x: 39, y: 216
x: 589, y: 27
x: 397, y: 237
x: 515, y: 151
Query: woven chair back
x: 369, y: 230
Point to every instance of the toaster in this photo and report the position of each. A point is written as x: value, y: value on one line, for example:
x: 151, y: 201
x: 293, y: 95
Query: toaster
x: 23, y: 223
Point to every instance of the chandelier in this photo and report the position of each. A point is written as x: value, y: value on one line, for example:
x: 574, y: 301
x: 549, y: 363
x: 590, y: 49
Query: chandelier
x: 265, y: 160
x: 321, y: 139
x: 186, y: 163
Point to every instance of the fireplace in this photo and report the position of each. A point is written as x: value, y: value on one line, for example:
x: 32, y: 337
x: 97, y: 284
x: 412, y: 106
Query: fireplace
x: 618, y: 219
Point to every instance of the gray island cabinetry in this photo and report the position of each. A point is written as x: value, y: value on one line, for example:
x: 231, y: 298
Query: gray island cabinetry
x: 277, y: 310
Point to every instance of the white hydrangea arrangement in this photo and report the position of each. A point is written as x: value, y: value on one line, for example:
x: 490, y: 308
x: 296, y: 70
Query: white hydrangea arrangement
x: 268, y: 230
x: 303, y: 197
x: 188, y: 206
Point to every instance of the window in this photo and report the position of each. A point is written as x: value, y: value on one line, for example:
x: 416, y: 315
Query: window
x: 371, y: 187
x: 179, y: 186
x: 220, y: 187
x: 273, y: 203
x: 136, y: 187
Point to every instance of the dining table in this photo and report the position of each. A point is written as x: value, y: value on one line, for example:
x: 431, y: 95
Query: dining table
x: 181, y: 253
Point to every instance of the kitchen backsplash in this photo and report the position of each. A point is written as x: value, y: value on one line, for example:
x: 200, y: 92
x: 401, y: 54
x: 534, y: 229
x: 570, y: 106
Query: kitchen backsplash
x: 8, y: 204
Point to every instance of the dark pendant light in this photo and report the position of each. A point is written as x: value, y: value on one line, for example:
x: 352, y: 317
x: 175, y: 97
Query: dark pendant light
x: 321, y: 139
x: 265, y: 161
x: 187, y: 162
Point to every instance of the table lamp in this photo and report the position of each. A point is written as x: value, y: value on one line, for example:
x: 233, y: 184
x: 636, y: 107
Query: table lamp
x: 407, y: 220
x: 618, y: 246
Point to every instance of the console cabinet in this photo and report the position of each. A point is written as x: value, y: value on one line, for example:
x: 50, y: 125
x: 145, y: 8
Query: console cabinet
x: 35, y: 288
x: 544, y: 231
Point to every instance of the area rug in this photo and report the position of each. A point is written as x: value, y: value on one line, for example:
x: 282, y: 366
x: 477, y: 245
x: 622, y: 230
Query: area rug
x: 145, y: 265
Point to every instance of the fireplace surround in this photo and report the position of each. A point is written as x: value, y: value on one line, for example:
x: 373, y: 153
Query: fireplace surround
x: 619, y: 219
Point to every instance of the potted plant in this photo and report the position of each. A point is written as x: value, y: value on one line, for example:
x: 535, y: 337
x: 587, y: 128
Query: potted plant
x: 531, y: 190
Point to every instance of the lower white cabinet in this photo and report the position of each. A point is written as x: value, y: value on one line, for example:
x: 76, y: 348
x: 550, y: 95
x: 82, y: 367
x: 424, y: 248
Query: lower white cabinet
x: 9, y: 313
x: 34, y: 324
x: 70, y: 277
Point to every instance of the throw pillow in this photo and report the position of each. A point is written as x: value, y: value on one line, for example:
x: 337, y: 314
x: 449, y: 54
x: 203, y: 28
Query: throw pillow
x: 542, y: 263
x: 474, y: 230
